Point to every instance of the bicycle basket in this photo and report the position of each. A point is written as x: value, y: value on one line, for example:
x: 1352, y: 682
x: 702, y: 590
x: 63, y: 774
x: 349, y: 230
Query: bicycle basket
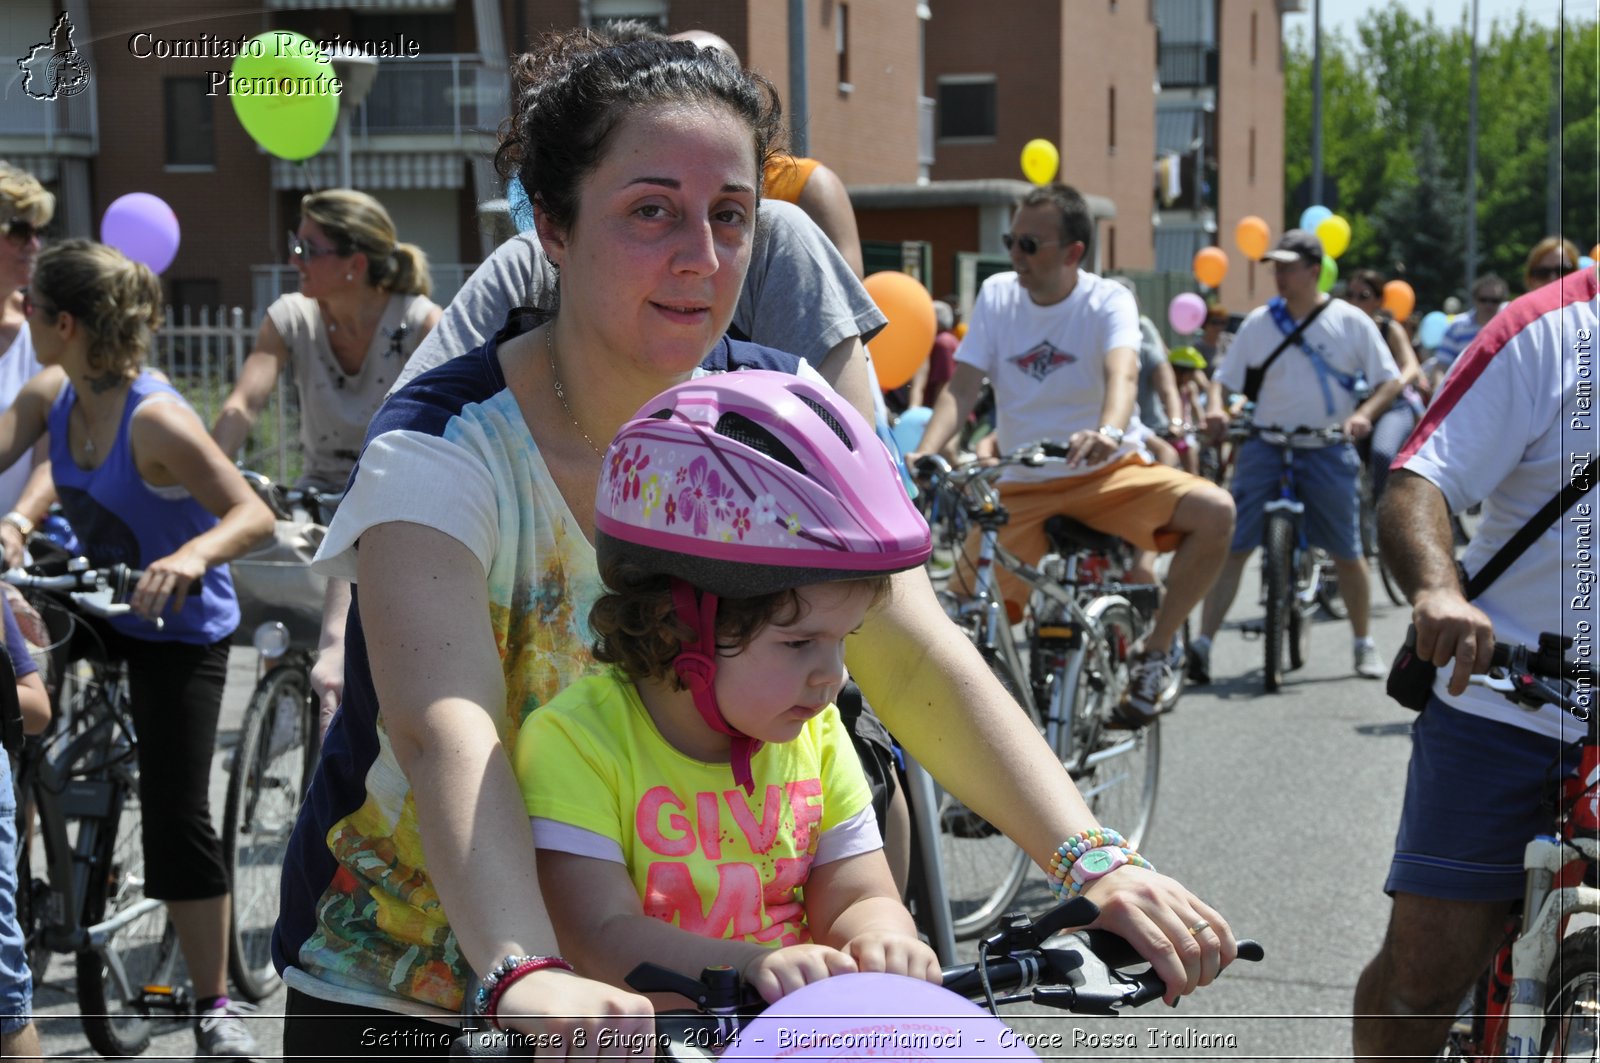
x: 275, y: 582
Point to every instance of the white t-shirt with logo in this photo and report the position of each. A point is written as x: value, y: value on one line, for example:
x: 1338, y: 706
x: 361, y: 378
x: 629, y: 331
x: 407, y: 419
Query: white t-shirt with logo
x: 1291, y: 394
x: 17, y: 366
x: 1047, y: 364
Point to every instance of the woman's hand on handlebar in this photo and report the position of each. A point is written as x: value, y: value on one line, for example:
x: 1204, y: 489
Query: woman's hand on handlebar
x: 568, y: 1013
x: 14, y: 545
x: 1156, y: 915
x: 167, y: 580
x: 1357, y: 426
x: 885, y: 952
x: 778, y: 972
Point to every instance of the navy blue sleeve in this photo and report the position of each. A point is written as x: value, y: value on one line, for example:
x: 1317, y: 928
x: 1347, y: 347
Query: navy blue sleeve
x: 21, y: 660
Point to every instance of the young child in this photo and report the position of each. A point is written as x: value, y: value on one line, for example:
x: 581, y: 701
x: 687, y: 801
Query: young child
x: 699, y: 802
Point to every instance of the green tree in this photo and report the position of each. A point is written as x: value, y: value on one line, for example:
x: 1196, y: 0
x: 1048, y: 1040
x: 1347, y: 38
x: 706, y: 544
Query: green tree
x: 1395, y: 141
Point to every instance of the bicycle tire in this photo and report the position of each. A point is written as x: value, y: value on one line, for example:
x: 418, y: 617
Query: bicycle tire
x: 983, y: 869
x: 1303, y: 607
x: 1391, y: 586
x: 1572, y: 1018
x: 1118, y: 770
x: 146, y: 948
x: 1278, y: 577
x: 34, y: 894
x: 272, y: 764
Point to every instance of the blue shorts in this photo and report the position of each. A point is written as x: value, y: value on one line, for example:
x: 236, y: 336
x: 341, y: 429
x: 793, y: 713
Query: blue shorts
x: 16, y: 982
x: 1475, y: 796
x: 1326, y: 481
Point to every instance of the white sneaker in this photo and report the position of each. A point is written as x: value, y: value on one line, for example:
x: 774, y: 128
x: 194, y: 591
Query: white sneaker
x: 221, y: 1032
x: 1368, y: 664
x: 1150, y: 682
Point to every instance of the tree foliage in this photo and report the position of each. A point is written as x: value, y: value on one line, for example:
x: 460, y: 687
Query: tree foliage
x: 1395, y: 118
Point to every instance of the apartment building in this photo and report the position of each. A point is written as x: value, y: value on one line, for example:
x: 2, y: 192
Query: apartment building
x: 923, y: 106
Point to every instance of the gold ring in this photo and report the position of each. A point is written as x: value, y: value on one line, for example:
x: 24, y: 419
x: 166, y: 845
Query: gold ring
x: 1201, y: 925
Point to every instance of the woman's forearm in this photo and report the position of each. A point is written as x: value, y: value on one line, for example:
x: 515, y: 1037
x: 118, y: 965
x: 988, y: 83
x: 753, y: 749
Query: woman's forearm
x: 239, y: 531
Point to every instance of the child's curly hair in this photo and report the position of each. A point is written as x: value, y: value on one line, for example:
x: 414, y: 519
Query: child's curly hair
x: 637, y: 628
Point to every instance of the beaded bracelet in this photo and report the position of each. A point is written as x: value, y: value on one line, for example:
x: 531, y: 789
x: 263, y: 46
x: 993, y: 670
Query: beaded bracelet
x: 1065, y: 891
x: 1068, y: 852
x: 505, y: 973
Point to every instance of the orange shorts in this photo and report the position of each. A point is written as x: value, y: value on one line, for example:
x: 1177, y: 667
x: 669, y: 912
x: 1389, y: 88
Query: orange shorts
x: 1128, y: 498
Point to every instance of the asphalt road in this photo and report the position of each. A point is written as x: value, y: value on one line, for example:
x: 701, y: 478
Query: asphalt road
x: 1279, y: 810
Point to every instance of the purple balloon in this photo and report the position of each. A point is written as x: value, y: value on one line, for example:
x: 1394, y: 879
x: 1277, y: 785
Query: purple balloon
x: 1187, y: 312
x: 142, y: 227
x: 888, y: 1016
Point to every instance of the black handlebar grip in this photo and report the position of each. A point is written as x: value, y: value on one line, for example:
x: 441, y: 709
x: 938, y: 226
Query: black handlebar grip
x: 1052, y: 449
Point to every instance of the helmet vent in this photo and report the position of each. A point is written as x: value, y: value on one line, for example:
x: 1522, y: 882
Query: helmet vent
x: 828, y: 419
x: 741, y: 429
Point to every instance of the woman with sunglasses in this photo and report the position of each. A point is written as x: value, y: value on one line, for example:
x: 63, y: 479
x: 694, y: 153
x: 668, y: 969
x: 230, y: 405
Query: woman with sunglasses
x: 25, y: 209
x: 1389, y: 431
x: 361, y: 310
x: 144, y: 485
x: 1551, y: 259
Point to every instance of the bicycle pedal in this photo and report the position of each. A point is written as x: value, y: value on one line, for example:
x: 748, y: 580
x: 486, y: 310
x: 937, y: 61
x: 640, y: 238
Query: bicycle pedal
x: 174, y: 999
x: 1252, y: 630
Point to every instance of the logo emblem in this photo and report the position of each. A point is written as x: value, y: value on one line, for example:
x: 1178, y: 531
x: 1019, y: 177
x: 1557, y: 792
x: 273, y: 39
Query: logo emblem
x: 1043, y: 360
x: 55, y: 69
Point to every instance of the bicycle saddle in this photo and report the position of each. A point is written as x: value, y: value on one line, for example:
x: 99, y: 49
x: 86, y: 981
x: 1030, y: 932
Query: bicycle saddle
x: 1068, y: 536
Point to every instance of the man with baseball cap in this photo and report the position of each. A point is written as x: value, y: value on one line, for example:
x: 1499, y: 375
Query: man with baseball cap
x: 1335, y: 372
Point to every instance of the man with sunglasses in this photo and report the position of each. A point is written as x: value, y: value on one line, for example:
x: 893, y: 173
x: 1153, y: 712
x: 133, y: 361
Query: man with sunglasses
x: 1336, y: 372
x: 1059, y: 345
x: 1489, y: 294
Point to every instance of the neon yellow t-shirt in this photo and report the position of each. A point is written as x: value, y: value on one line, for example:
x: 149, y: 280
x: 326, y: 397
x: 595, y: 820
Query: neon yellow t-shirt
x: 703, y: 855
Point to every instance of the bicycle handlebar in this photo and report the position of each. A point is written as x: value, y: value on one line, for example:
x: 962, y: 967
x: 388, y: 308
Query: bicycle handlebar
x: 281, y: 499
x: 97, y: 592
x: 1534, y: 678
x: 1088, y: 973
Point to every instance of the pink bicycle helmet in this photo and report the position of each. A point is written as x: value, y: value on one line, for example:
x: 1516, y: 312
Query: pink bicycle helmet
x: 753, y: 482
x: 743, y: 484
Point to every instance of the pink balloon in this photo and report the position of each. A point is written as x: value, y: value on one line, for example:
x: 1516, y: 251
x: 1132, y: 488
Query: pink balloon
x: 861, y: 1016
x: 142, y: 227
x: 1187, y: 312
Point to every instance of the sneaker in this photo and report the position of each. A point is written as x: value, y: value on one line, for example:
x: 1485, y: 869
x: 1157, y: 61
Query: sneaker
x: 1200, y: 662
x: 1368, y: 664
x: 1150, y: 684
x: 221, y: 1032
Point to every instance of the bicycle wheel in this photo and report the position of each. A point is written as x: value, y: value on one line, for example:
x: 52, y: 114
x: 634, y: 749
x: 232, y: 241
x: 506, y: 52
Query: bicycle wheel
x: 37, y: 904
x: 143, y: 952
x: 1308, y: 572
x: 1117, y: 768
x: 1572, y: 1018
x: 276, y: 752
x: 983, y: 869
x: 1278, y: 577
x: 1391, y: 586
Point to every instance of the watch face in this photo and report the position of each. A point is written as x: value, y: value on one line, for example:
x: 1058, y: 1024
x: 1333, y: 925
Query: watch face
x: 1097, y: 861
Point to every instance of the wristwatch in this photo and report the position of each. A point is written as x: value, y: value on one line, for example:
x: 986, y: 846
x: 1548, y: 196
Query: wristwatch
x: 1112, y: 433
x: 1097, y: 863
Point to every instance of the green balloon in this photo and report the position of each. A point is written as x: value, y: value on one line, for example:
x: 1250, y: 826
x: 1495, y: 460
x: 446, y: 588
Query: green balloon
x: 284, y: 91
x: 1330, y: 274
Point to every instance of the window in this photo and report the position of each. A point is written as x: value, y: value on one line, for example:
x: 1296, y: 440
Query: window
x: 195, y: 296
x: 1252, y: 154
x: 1111, y: 120
x: 434, y: 33
x: 1253, y: 38
x: 1111, y: 249
x: 651, y: 12
x: 841, y: 45
x: 189, y: 128
x: 967, y: 107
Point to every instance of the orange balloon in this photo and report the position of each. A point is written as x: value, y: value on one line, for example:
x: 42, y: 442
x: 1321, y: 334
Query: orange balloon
x: 1399, y: 299
x: 907, y: 340
x: 1253, y: 236
x: 1210, y: 266
x: 1594, y: 252
x: 961, y: 330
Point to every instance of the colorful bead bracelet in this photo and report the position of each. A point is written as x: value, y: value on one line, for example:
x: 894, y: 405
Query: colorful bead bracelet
x: 505, y: 973
x: 1068, y: 852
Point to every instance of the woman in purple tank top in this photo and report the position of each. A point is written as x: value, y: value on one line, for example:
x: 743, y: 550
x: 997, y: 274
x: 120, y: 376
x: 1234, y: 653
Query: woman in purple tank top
x: 144, y: 485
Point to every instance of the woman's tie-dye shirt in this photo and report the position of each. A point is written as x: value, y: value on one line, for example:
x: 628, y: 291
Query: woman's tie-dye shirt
x: 361, y: 922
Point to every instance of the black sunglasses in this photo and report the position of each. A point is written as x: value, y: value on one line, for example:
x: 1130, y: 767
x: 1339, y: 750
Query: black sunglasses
x: 1485, y: 300
x: 307, y: 252
x: 23, y: 231
x: 1550, y: 273
x: 1029, y: 245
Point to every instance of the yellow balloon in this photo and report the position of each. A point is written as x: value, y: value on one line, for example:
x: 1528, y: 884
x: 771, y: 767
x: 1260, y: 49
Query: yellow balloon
x: 1040, y: 161
x: 1334, y: 232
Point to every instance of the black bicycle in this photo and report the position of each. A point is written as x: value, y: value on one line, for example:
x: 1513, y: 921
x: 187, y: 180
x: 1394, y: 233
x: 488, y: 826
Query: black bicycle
x: 279, y: 738
x: 1090, y: 972
x: 80, y: 860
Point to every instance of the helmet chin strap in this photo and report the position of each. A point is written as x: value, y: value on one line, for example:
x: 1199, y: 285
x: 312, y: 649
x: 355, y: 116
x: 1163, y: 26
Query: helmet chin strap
x: 697, y: 671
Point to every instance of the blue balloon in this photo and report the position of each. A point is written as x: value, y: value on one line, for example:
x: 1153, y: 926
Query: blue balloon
x: 908, y: 429
x: 1313, y: 217
x: 1433, y: 327
x: 1585, y: 262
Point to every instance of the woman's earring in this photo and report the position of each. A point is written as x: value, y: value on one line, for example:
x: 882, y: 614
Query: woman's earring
x: 349, y: 276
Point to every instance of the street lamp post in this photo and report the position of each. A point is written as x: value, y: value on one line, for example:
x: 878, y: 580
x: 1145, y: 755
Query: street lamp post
x: 1316, y: 101
x: 1472, y: 156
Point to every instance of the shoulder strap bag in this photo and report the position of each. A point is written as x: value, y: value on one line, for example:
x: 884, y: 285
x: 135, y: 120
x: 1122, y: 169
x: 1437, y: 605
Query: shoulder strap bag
x: 1254, y: 376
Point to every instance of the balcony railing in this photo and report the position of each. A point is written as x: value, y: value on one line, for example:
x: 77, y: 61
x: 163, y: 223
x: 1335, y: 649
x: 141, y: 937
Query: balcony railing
x: 68, y: 117
x: 454, y: 95
x: 267, y: 282
x: 1187, y: 65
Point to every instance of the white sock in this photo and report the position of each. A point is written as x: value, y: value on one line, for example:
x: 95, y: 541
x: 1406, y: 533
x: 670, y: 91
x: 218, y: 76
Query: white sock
x: 1365, y: 643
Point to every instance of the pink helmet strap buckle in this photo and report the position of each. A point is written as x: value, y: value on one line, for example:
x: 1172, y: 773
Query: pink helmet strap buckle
x: 697, y: 671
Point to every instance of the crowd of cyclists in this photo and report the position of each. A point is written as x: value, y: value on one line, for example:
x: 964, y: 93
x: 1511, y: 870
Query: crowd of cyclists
x: 617, y: 528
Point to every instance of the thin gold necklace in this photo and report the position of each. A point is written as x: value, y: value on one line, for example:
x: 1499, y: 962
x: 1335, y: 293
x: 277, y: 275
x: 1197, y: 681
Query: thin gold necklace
x: 555, y: 379
x: 88, y: 430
